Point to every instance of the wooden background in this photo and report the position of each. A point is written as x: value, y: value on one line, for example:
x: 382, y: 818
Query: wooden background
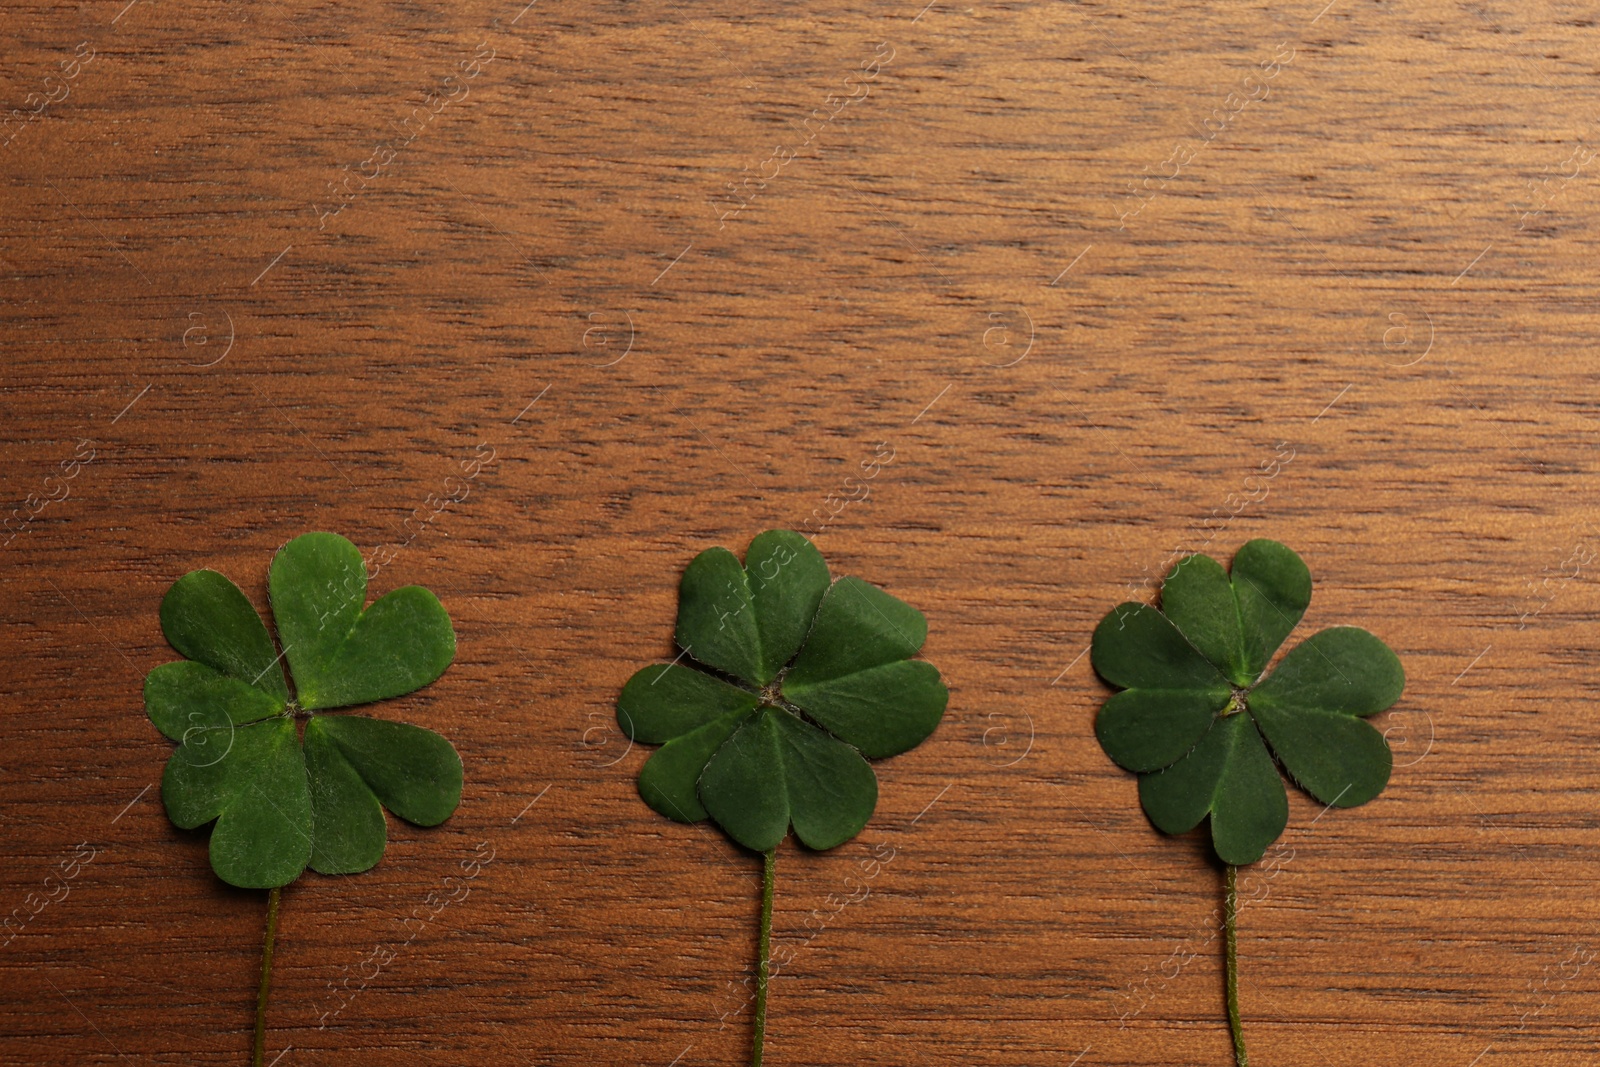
x: 1080, y: 269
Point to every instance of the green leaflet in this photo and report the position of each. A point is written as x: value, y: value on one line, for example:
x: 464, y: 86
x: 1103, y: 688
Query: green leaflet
x: 1273, y: 588
x: 670, y: 780
x: 208, y: 620
x: 1148, y: 729
x: 415, y: 772
x: 858, y: 626
x: 348, y: 830
x: 1344, y: 670
x: 1137, y: 647
x: 778, y: 769
x: 281, y: 804
x: 340, y: 655
x: 1238, y: 622
x: 788, y: 579
x: 1198, y: 600
x: 1310, y: 710
x: 356, y: 764
x: 252, y: 781
x: 185, y: 698
x: 1230, y: 777
x: 821, y: 680
x: 749, y: 620
x: 692, y: 713
x: 1202, y: 727
x: 660, y: 702
x: 1172, y: 690
x: 317, y: 584
x: 882, y: 711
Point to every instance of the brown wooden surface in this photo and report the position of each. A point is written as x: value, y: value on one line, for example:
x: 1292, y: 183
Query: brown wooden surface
x: 1380, y: 262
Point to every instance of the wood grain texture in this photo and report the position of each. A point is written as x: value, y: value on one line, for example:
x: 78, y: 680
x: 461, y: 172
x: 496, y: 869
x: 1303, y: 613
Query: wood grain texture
x: 1084, y: 269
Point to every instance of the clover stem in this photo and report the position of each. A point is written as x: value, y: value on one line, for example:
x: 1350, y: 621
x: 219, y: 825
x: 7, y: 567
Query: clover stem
x: 1231, y: 925
x: 770, y: 861
x: 266, y: 977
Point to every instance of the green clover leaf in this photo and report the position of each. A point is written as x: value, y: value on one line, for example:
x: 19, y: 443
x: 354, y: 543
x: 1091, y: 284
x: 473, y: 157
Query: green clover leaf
x: 798, y: 681
x: 282, y: 801
x: 1206, y: 733
x: 1202, y: 728
x: 794, y: 682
